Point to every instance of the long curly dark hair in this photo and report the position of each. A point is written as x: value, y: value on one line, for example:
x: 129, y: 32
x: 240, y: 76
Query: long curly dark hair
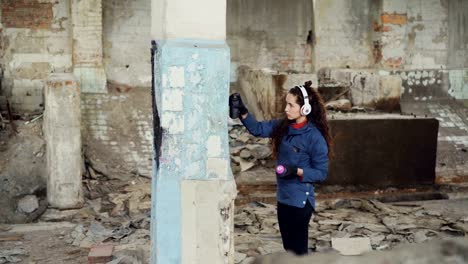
x: 317, y: 116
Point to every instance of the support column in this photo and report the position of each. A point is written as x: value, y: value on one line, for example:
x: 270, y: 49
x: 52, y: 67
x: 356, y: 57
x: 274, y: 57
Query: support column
x: 193, y: 189
x: 62, y: 124
x: 87, y: 45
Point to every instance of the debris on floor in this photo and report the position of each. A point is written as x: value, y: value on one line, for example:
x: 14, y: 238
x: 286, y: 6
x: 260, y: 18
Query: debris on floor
x: 385, y: 225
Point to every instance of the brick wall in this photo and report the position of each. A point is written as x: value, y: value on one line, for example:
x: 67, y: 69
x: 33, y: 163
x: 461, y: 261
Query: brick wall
x: 36, y: 41
x: 87, y: 32
x: 117, y: 131
x: 27, y: 14
x: 393, y: 34
x: 415, y: 34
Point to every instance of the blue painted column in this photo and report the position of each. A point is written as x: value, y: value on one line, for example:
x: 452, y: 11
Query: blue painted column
x: 193, y: 189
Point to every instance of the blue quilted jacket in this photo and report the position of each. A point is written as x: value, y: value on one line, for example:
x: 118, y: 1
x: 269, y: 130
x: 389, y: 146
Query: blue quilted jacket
x: 305, y: 148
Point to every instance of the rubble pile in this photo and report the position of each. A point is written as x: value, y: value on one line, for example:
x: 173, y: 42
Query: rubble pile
x: 116, y: 213
x: 386, y: 226
x: 248, y: 151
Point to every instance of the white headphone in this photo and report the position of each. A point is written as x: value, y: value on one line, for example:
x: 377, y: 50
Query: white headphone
x: 306, y: 108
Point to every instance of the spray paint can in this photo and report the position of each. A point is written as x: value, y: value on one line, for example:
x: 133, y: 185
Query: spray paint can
x: 234, y: 103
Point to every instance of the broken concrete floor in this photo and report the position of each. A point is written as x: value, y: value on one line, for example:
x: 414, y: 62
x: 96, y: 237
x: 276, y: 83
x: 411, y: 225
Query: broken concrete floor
x: 67, y: 236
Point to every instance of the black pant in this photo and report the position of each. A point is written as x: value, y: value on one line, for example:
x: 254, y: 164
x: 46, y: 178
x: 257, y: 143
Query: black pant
x: 294, y: 227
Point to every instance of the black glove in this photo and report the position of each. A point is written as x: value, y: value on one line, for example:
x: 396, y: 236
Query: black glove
x: 236, y: 106
x: 286, y: 171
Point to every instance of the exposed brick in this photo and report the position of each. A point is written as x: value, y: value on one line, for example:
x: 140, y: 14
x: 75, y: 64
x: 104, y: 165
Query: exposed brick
x: 394, y: 62
x: 395, y: 19
x: 26, y: 14
x: 100, y: 254
x: 381, y: 28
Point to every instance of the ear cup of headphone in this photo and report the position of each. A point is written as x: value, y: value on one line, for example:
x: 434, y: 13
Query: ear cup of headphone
x: 306, y: 109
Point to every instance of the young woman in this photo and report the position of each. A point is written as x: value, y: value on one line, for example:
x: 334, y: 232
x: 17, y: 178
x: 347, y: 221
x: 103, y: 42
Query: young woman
x: 301, y: 143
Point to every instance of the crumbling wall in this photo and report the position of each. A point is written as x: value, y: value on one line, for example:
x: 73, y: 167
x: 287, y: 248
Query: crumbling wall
x: 458, y: 48
x: 458, y: 33
x: 414, y: 34
x: 344, y: 35
x: 126, y: 41
x: 36, y: 42
x: 270, y: 34
x: 117, y: 132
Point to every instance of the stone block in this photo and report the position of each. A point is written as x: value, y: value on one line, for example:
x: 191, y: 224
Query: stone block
x: 351, y: 246
x: 100, y: 254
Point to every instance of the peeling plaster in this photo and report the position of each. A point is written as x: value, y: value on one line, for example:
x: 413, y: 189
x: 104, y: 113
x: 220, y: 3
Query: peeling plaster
x: 192, y: 83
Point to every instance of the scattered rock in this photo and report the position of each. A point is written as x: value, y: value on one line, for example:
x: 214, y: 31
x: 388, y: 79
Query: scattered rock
x: 247, y: 151
x: 349, y: 225
x: 248, y: 260
x: 261, y: 152
x: 351, y: 246
x: 12, y: 255
x: 239, y: 257
x: 28, y: 204
x: 54, y: 215
x: 245, y: 154
x: 100, y: 254
x: 343, y: 105
x: 245, y: 165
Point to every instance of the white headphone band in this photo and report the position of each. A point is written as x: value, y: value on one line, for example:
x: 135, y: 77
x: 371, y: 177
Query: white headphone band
x: 306, y: 108
x: 304, y: 94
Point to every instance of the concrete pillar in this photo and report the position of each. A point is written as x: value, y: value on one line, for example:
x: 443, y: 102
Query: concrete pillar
x: 62, y: 122
x: 87, y: 45
x: 193, y: 188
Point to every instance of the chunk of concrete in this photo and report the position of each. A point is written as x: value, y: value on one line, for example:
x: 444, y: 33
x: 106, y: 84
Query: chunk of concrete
x: 351, y: 246
x: 28, y: 204
x: 100, y: 254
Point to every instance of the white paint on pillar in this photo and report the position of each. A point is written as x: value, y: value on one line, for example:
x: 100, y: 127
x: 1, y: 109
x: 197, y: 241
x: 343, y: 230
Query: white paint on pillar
x: 203, y: 19
x: 176, y: 77
x: 207, y: 219
x: 217, y: 168
x: 172, y: 100
x: 173, y: 122
x: 214, y: 146
x: 62, y: 124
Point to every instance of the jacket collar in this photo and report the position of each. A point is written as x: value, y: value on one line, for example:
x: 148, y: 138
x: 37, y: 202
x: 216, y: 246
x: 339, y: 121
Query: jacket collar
x: 297, y: 131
